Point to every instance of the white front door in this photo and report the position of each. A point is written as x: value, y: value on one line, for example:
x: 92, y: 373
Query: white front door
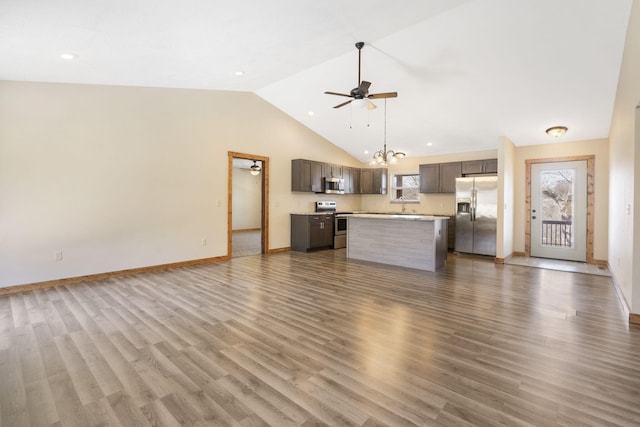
x: 559, y: 210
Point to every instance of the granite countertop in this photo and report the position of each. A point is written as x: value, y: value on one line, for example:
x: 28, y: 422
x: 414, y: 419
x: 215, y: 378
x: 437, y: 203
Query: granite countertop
x: 312, y: 213
x: 412, y: 217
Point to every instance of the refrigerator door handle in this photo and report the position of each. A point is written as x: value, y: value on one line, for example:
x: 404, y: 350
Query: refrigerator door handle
x: 474, y: 204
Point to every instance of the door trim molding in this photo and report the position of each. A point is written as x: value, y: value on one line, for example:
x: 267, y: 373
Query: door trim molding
x: 591, y: 160
x: 264, y: 188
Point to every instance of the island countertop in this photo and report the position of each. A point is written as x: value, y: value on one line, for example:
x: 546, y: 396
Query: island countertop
x: 414, y: 217
x: 415, y: 241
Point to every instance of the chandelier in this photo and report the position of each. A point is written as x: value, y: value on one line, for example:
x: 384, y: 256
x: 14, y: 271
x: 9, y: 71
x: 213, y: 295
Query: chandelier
x: 384, y: 157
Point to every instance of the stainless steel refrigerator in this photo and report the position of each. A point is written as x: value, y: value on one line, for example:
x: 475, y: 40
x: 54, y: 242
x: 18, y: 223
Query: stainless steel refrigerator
x: 476, y: 215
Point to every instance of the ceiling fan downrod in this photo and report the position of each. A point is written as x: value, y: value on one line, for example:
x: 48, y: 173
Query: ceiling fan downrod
x: 359, y: 46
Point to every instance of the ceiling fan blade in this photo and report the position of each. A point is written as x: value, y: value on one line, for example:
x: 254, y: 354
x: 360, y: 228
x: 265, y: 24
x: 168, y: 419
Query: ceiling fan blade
x: 383, y: 95
x: 371, y: 105
x: 343, y: 104
x: 339, y: 94
x: 364, y: 86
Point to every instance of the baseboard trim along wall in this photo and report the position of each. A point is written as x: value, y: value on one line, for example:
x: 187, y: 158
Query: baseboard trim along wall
x: 633, y: 318
x: 101, y: 276
x: 278, y: 250
x: 505, y: 259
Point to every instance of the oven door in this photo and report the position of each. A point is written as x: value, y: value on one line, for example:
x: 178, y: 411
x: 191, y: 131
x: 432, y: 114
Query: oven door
x: 339, y: 232
x: 340, y: 225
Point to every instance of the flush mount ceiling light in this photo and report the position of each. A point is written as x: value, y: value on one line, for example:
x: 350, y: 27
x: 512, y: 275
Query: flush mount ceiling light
x: 69, y: 56
x: 384, y: 157
x: 557, y: 131
x: 255, y: 168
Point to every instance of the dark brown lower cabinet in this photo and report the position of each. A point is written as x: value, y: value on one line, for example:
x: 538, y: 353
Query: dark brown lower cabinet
x: 311, y: 231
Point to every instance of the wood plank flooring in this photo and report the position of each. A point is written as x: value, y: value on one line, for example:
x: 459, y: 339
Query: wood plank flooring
x: 294, y: 339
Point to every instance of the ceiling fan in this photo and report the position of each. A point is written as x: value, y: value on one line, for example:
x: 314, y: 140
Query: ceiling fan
x: 254, y: 169
x: 361, y: 93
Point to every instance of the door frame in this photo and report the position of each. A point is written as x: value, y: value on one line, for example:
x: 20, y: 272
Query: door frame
x: 590, y: 200
x: 264, y: 189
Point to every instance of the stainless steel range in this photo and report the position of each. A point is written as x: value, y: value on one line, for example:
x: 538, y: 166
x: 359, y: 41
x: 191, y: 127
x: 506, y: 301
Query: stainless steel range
x: 339, y: 223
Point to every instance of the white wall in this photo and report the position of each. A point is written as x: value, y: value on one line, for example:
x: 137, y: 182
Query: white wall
x: 506, y: 198
x: 127, y: 177
x: 247, y: 200
x: 597, y: 147
x: 624, y: 224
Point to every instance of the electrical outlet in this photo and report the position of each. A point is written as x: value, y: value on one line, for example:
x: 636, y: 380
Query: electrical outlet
x: 204, y: 242
x: 57, y: 256
x: 218, y: 203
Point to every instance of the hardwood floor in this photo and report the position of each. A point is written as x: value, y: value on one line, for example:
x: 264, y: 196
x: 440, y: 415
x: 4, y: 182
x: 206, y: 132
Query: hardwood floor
x: 312, y: 339
x: 246, y: 242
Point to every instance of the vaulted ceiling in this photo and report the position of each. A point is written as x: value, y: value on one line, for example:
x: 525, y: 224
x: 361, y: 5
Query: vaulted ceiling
x: 466, y: 71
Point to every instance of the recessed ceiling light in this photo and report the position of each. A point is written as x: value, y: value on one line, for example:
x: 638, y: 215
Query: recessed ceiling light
x: 69, y: 56
x: 429, y: 144
x: 366, y: 151
x: 311, y: 113
x: 239, y: 73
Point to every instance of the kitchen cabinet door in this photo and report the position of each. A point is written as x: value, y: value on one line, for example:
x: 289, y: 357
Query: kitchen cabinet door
x: 351, y: 178
x: 311, y: 232
x: 366, y: 181
x: 380, y: 181
x: 373, y: 181
x: 333, y: 171
x: 300, y: 169
x: 472, y: 166
x: 355, y: 180
x: 320, y: 231
x: 346, y: 176
x: 490, y: 166
x: 448, y: 174
x: 316, y: 177
x: 480, y: 166
x: 430, y: 178
x: 306, y: 175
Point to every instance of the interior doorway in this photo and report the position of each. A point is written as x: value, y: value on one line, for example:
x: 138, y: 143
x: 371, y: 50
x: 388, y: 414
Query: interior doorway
x: 560, y: 204
x: 247, y: 215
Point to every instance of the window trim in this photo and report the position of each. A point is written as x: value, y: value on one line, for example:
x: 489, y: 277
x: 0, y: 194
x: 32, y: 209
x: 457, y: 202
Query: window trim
x: 394, y: 189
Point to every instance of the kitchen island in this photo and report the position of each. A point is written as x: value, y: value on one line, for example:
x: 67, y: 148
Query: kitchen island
x: 414, y: 241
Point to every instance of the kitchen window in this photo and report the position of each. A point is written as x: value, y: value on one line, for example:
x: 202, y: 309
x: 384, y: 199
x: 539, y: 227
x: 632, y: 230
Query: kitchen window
x: 405, y: 188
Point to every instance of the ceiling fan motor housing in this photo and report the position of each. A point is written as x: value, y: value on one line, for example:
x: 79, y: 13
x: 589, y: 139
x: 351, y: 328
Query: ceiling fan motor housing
x: 357, y: 93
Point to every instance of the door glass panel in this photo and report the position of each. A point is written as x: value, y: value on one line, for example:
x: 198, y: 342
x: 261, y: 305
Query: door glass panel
x: 557, y: 188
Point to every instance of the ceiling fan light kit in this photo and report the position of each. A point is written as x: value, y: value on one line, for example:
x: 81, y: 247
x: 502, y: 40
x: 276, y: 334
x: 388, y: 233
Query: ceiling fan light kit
x: 255, y: 169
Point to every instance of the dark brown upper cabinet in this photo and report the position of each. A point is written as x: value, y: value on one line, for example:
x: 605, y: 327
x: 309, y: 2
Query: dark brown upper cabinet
x: 480, y: 166
x: 306, y: 175
x: 439, y: 177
